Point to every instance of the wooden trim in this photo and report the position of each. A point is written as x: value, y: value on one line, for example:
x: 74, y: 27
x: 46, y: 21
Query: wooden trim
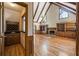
x: 41, y: 11
x: 36, y: 10
x: 62, y: 7
x: 46, y: 12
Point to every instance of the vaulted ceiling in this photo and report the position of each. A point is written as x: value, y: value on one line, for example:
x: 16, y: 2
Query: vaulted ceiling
x: 41, y: 8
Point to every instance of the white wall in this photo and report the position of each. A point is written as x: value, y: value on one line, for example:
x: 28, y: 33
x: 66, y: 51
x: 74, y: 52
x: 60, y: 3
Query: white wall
x: 53, y: 16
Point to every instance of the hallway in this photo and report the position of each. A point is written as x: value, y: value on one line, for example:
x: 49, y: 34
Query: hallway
x: 14, y: 50
x: 46, y: 45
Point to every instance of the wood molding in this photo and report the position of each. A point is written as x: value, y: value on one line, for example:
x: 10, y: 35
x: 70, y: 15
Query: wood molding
x: 41, y: 11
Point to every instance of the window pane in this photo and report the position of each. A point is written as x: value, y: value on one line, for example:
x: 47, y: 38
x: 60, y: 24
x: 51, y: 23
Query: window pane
x: 23, y: 24
x: 63, y: 13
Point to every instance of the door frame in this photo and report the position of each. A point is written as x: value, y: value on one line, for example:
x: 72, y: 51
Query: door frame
x: 29, y: 46
x: 77, y: 27
x: 26, y: 25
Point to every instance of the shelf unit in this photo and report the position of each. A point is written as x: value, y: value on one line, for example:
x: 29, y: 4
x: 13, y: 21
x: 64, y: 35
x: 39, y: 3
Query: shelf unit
x: 66, y: 30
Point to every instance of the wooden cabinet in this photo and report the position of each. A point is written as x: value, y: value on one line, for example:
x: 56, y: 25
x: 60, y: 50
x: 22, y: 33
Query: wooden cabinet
x: 66, y: 27
x: 60, y: 27
x: 12, y: 38
x: 66, y: 30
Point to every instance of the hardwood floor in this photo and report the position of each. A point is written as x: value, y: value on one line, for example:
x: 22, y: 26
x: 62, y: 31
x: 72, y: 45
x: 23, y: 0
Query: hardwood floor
x: 45, y: 45
x: 14, y: 50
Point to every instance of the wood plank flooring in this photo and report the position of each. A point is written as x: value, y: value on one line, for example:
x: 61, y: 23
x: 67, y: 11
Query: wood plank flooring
x: 14, y: 50
x: 45, y: 45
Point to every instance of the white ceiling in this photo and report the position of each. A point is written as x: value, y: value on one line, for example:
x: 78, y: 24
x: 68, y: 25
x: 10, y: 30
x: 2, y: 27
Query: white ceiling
x: 12, y: 12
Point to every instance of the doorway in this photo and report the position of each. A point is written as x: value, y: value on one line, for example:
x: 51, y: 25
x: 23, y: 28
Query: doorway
x: 13, y: 30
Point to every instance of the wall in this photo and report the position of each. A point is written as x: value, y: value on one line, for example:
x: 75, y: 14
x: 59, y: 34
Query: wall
x: 30, y: 18
x: 53, y: 16
x: 10, y: 15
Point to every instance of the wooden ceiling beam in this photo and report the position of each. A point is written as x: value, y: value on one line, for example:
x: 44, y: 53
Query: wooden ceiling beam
x: 46, y: 12
x: 36, y: 10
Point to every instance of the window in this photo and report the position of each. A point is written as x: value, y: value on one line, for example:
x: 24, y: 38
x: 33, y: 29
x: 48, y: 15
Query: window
x: 63, y: 13
x: 23, y: 27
